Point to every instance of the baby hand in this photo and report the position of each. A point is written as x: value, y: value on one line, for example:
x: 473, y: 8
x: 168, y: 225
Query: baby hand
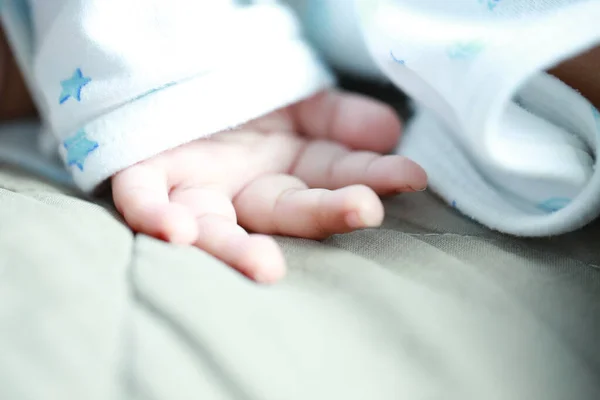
x: 309, y: 170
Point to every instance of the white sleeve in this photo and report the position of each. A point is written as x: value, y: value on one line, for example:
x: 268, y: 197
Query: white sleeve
x: 119, y: 81
x: 501, y: 140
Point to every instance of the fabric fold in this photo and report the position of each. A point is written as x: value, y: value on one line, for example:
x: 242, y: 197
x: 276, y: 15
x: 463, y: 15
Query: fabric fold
x: 501, y: 140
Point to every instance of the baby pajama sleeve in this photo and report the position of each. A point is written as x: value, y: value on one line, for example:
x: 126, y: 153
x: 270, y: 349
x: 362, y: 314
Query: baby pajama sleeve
x: 501, y: 140
x: 119, y: 81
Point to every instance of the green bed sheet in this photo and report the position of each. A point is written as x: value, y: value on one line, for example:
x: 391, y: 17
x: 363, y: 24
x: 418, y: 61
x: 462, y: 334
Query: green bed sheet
x: 430, y: 306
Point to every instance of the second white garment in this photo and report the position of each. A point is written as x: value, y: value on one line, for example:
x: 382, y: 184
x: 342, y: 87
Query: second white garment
x: 502, y: 141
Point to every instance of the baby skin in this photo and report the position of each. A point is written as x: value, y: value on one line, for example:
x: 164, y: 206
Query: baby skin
x: 309, y: 170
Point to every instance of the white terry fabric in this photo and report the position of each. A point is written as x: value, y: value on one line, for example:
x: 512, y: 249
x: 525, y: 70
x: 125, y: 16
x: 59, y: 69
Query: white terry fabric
x: 119, y: 81
x: 502, y: 141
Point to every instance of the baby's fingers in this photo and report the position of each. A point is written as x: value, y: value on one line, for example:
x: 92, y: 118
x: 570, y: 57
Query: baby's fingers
x: 141, y: 195
x: 255, y: 256
x: 283, y: 204
x: 328, y: 165
x: 356, y: 121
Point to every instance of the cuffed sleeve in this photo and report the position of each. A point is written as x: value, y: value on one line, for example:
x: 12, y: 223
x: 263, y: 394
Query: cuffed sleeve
x: 119, y: 81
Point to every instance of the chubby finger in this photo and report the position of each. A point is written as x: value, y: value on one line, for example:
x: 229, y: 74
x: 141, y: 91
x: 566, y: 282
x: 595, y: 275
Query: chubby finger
x: 282, y: 204
x: 141, y: 195
x: 256, y: 256
x: 325, y: 164
x: 357, y: 121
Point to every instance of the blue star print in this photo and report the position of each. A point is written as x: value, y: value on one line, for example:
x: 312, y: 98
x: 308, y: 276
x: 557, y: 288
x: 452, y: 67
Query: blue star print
x: 71, y: 88
x: 554, y: 204
x: 465, y: 51
x: 399, y: 61
x: 78, y: 148
x: 491, y: 4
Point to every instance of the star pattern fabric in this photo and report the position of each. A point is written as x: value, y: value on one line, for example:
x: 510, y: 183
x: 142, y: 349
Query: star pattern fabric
x: 71, y: 88
x: 90, y: 68
x: 502, y: 140
x: 78, y: 149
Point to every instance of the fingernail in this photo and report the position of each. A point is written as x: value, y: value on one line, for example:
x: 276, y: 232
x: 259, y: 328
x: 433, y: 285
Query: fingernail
x: 353, y: 220
x: 263, y: 279
x: 410, y: 189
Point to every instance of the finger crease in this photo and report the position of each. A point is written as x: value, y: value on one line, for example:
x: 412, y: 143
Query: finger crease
x: 330, y: 172
x: 299, y: 155
x: 334, y: 113
x: 280, y: 197
x: 318, y: 218
x: 372, y: 161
